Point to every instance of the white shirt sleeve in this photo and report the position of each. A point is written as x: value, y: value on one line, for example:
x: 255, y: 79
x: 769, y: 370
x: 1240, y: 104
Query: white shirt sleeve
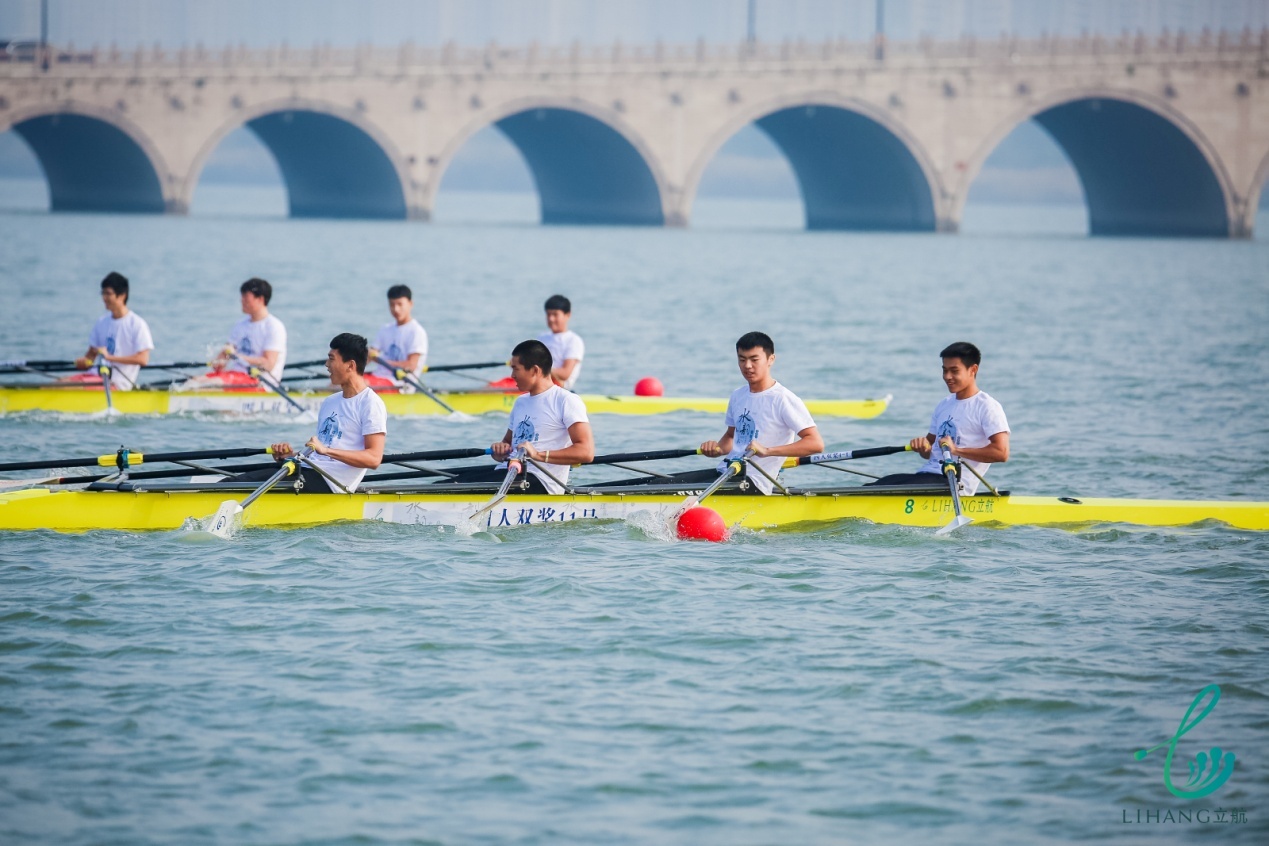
x: 375, y: 420
x: 574, y: 410
x: 993, y: 421
x: 573, y: 347
x: 143, y: 340
x: 275, y: 336
x: 418, y: 341
x: 796, y: 415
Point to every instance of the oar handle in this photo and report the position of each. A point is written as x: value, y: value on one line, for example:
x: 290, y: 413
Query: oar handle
x: 128, y: 458
x: 846, y: 455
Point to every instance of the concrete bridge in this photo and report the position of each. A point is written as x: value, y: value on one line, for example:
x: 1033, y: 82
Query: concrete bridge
x: 1169, y: 136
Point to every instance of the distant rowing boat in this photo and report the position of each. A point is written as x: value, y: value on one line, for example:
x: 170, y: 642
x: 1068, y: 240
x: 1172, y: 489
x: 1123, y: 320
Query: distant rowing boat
x: 73, y: 399
x: 158, y: 509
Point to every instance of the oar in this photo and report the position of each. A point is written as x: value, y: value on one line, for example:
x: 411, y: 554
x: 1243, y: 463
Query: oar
x: 223, y: 520
x: 104, y: 370
x: 410, y: 379
x: 128, y: 458
x: 514, y: 466
x: 480, y: 365
x: 845, y: 455
x: 269, y: 382
x: 652, y: 455
x: 953, y: 484
x: 733, y: 468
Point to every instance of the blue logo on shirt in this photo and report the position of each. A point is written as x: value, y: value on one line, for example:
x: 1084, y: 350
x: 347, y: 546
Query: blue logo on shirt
x: 947, y: 429
x: 329, y: 430
x: 110, y: 345
x: 524, y: 431
x: 746, y: 431
x: 244, y: 346
x: 395, y: 353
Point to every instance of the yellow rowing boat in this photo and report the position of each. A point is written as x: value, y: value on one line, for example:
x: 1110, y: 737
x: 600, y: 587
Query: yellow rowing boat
x: 158, y: 510
x: 80, y: 400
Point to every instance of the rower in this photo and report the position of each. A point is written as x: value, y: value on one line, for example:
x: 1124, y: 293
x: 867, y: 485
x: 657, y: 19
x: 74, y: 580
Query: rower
x: 351, y: 429
x: 763, y: 408
x: 401, y: 344
x: 968, y: 422
x: 257, y: 340
x: 120, y: 337
x: 547, y: 423
x: 565, y: 345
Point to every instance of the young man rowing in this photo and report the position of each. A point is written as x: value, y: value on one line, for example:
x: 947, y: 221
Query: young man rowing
x: 565, y: 345
x: 352, y: 426
x: 400, y: 344
x: 548, y: 425
x: 764, y: 418
x: 968, y: 423
x: 119, y: 337
x: 258, y: 339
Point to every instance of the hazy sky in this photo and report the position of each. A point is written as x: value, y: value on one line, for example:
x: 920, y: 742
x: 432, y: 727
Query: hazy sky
x: 304, y: 22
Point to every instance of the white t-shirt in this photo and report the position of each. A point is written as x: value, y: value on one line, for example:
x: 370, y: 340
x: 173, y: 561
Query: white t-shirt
x: 255, y: 338
x: 971, y: 423
x: 128, y: 335
x: 543, y: 421
x: 563, y: 346
x: 344, y: 424
x: 772, y: 418
x: 397, y: 343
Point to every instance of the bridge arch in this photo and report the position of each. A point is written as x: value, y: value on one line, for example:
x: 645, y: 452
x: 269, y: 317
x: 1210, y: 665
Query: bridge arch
x: 856, y: 167
x: 588, y: 165
x: 1254, y: 192
x: 1145, y: 168
x: 334, y: 162
x: 93, y: 159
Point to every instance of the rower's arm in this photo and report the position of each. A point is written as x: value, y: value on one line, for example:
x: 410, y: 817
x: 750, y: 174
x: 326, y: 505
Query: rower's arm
x: 560, y: 374
x: 921, y: 446
x: 264, y: 362
x: 809, y: 442
x: 369, y: 458
x: 996, y: 451
x: 580, y: 451
x: 502, y: 448
x: 722, y: 446
x: 87, y: 360
x: 142, y: 358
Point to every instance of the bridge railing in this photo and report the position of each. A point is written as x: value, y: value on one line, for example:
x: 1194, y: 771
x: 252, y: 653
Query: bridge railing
x: 608, y: 58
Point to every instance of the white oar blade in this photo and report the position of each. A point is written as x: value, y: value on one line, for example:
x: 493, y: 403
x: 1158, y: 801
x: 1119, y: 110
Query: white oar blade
x: 954, y: 525
x: 226, y: 520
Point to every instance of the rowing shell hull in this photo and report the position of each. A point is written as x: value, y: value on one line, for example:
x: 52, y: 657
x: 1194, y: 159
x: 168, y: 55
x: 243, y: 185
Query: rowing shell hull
x: 91, y: 401
x: 79, y: 511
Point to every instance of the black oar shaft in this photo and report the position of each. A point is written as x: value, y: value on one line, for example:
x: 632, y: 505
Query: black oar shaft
x: 480, y: 365
x: 96, y: 461
x: 851, y: 454
x: 435, y: 455
x: 653, y: 455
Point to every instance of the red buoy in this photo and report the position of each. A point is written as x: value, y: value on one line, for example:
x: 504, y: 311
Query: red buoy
x: 649, y: 386
x: 701, y: 523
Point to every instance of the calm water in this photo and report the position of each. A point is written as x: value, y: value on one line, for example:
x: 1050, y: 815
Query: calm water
x: 596, y: 684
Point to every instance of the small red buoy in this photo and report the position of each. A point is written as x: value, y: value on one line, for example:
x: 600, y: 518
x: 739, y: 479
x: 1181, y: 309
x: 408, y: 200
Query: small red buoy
x: 701, y: 523
x: 649, y: 386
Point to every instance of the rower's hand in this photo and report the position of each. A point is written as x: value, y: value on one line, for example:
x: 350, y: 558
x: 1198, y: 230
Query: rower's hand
x: 373, y: 353
x: 501, y: 450
x: 281, y: 452
x: 711, y: 449
x: 530, y: 452
x: 948, y: 444
x: 317, y: 446
x: 758, y: 449
x: 83, y: 363
x: 920, y: 446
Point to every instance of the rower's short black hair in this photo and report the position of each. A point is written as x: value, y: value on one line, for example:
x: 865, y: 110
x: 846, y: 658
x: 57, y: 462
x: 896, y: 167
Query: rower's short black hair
x: 400, y: 292
x: 965, y: 351
x: 749, y: 340
x: 258, y: 287
x: 534, y: 354
x: 351, y: 348
x: 558, y: 302
x: 118, y: 283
